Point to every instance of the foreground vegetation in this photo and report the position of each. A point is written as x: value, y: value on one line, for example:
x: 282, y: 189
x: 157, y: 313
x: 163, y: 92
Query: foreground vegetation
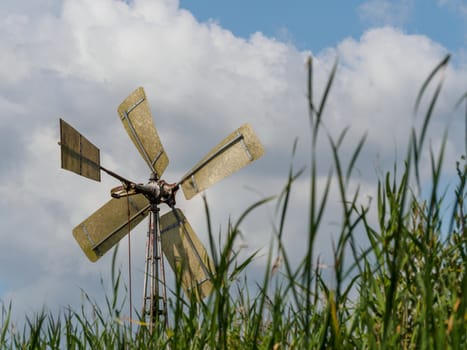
x: 405, y: 289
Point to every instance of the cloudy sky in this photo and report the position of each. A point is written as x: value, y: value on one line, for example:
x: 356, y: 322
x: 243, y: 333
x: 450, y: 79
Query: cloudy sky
x: 207, y: 67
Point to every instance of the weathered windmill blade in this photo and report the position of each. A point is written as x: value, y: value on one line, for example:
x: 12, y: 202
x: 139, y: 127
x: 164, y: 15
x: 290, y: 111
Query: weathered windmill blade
x: 78, y: 154
x: 137, y: 119
x: 236, y: 151
x: 108, y: 224
x: 186, y: 254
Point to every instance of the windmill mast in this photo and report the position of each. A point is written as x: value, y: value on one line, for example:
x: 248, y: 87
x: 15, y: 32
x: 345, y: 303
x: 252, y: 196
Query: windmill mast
x: 154, y: 309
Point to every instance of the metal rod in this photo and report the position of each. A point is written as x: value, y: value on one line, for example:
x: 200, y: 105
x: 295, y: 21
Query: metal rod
x: 115, y: 175
x: 162, y: 292
x: 154, y: 310
x: 129, y: 262
x: 247, y: 151
x: 136, y: 104
x: 156, y: 158
x: 146, y: 272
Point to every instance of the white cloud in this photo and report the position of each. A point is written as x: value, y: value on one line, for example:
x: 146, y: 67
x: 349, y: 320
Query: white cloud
x: 82, y: 58
x: 379, y: 79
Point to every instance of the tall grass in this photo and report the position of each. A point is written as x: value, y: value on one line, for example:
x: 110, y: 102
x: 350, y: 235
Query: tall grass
x: 407, y: 288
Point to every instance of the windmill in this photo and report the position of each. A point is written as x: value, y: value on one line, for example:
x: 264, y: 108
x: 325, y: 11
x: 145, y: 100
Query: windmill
x: 170, y: 236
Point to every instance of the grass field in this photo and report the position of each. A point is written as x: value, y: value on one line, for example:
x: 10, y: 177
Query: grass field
x: 406, y: 290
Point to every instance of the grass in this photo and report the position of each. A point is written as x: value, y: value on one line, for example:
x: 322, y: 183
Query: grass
x: 406, y: 289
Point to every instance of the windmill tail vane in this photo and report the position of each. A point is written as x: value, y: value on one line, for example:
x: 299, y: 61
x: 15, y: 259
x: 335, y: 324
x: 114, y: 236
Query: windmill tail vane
x: 170, y: 236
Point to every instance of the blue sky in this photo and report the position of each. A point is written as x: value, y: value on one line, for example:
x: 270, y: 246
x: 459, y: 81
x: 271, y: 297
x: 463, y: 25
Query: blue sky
x: 207, y: 67
x: 313, y: 25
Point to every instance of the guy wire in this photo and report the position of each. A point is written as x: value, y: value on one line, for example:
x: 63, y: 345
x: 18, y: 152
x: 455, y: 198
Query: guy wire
x: 129, y: 260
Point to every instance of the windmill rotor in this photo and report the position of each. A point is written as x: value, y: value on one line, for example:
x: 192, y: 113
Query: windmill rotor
x: 170, y: 235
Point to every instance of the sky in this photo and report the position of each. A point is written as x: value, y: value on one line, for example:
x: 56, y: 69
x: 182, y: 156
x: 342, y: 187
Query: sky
x: 207, y: 67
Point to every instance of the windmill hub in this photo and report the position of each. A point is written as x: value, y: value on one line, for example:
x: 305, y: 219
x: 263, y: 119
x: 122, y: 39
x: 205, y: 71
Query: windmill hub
x: 156, y: 191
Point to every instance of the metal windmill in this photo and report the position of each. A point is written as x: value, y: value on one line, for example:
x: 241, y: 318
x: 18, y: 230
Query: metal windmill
x: 169, y: 235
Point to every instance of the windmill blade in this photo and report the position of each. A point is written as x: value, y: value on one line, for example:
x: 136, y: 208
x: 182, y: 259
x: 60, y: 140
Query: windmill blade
x: 78, y: 154
x: 186, y: 254
x: 136, y: 118
x: 236, y: 151
x: 108, y: 224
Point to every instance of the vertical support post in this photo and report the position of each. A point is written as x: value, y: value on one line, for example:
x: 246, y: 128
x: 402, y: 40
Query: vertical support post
x: 154, y: 312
